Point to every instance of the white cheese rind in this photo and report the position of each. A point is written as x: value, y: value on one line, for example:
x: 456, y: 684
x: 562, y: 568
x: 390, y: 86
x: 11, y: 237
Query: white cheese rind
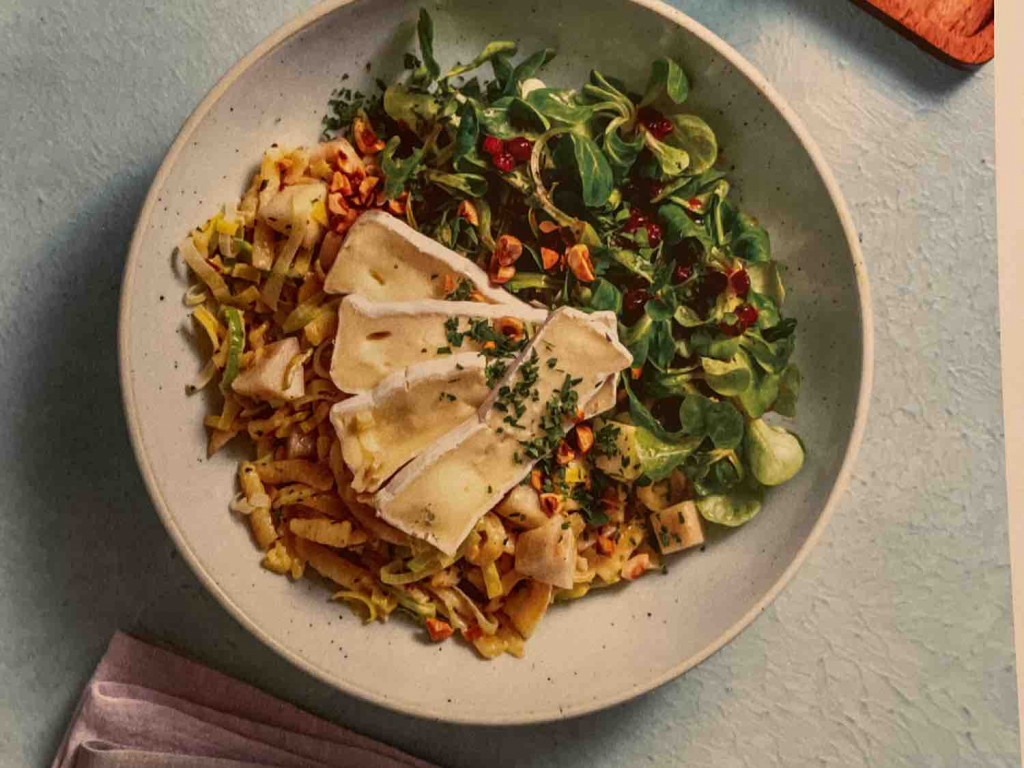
x: 383, y: 429
x: 264, y: 380
x: 384, y: 259
x: 376, y: 339
x: 440, y: 495
x: 548, y: 553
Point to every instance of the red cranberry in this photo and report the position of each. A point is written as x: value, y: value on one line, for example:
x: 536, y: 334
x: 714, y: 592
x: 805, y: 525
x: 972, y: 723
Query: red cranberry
x: 714, y: 282
x: 746, y: 315
x: 636, y: 220
x: 520, y: 148
x: 493, y: 145
x: 653, y: 234
x: 740, y: 282
x: 682, y: 273
x: 503, y: 161
x: 656, y: 123
x: 633, y: 303
x: 689, y: 251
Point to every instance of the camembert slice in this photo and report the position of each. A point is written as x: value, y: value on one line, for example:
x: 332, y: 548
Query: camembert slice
x: 384, y: 259
x: 385, y: 428
x: 440, y: 495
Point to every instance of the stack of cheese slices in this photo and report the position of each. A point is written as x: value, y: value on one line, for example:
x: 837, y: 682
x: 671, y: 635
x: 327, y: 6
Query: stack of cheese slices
x: 427, y: 440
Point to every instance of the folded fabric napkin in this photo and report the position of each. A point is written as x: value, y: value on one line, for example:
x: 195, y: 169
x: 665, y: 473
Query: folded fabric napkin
x: 150, y: 708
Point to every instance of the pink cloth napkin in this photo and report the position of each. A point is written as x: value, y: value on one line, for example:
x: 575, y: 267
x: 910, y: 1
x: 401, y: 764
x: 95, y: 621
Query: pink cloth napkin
x: 149, y: 708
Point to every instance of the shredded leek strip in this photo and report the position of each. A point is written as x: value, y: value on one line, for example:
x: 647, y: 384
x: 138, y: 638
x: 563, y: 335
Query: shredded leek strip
x: 424, y: 610
x: 492, y: 580
x: 204, y: 271
x: 196, y: 295
x: 201, y: 238
x: 396, y: 573
x: 204, y: 377
x: 227, y: 416
x: 295, y: 367
x: 270, y: 175
x: 318, y: 389
x: 509, y: 580
x: 227, y: 224
x: 226, y: 246
x: 249, y: 296
x: 355, y: 598
x: 324, y: 326
x: 460, y: 607
x: 256, y: 340
x: 299, y: 163
x: 272, y: 288
x: 235, y: 341
x: 213, y: 328
x: 319, y: 213
x: 318, y: 364
x: 320, y: 414
x: 246, y: 272
x: 302, y: 263
x: 218, y: 264
x: 241, y: 248
x: 427, y: 558
x: 262, y: 246
x: 304, y: 313
x: 577, y: 591
x: 247, y: 208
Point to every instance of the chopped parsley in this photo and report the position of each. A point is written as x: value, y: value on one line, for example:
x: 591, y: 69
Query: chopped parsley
x: 562, y: 403
x: 447, y: 396
x: 499, y: 346
x: 451, y: 329
x: 511, y: 399
x: 462, y: 291
x: 494, y: 371
x: 606, y: 440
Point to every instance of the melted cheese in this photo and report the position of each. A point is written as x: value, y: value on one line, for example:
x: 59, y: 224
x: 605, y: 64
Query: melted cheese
x: 441, y: 494
x: 385, y: 428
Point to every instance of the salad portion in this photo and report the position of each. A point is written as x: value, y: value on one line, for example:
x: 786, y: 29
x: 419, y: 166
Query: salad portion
x: 496, y: 343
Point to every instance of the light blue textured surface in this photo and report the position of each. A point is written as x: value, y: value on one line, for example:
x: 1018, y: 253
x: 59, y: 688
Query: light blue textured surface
x: 891, y: 647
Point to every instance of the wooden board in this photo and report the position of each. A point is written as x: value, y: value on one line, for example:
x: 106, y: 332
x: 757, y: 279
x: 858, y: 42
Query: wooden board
x: 961, y: 30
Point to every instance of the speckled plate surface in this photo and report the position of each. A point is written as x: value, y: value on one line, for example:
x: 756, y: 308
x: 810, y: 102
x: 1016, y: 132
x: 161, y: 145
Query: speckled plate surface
x: 613, y: 645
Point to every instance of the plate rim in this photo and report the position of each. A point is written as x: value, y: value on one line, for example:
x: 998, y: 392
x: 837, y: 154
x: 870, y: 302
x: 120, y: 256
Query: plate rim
x: 540, y: 715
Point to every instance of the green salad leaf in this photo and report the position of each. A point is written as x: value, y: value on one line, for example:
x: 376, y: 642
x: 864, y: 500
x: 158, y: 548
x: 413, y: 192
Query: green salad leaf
x: 775, y: 454
x: 623, y: 169
x: 492, y: 49
x: 398, y: 172
x: 732, y: 509
x: 667, y: 81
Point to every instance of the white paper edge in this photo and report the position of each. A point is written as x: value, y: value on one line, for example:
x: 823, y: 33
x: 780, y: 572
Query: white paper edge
x: 1010, y: 232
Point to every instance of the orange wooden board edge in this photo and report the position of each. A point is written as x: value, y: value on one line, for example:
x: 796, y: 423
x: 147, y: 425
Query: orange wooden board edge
x: 960, y: 30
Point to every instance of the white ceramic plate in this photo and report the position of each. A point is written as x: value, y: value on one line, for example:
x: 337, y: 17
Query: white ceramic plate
x: 608, y: 647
